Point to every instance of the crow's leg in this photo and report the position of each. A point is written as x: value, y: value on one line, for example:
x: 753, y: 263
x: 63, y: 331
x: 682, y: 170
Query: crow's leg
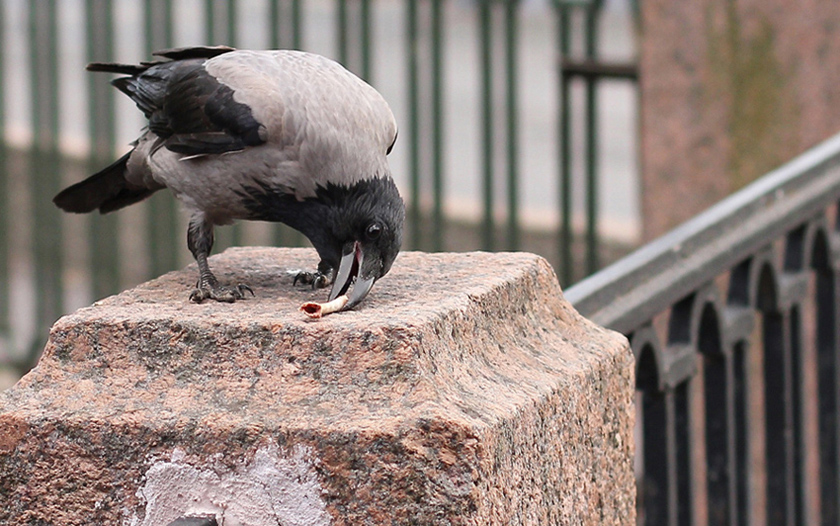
x: 319, y: 279
x: 200, y: 242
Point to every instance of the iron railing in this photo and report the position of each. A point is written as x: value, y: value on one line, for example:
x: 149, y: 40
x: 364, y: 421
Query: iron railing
x: 733, y: 318
x: 588, y: 67
x: 52, y: 263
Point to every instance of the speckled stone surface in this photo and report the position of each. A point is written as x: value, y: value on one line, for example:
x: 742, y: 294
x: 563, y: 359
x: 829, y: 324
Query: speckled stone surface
x: 464, y: 390
x: 729, y: 90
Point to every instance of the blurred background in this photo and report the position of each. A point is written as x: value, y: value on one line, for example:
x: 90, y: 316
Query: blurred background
x: 486, y: 157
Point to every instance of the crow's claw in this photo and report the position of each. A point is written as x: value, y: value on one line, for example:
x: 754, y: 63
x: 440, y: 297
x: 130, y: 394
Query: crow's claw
x: 317, y: 279
x: 218, y: 293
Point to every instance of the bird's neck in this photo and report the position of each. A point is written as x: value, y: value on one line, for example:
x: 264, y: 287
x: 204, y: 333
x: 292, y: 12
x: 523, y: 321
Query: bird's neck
x: 328, y: 217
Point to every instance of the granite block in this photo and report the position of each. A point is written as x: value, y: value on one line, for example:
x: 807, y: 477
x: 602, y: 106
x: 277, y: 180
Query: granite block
x: 463, y: 391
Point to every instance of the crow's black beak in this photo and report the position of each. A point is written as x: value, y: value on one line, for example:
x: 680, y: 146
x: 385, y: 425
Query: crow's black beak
x: 348, y: 268
x: 359, y: 292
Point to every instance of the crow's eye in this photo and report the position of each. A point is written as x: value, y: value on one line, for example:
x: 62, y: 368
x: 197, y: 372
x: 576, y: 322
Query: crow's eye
x: 373, y: 231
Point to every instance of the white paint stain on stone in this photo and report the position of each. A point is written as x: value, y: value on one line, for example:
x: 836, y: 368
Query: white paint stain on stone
x: 275, y: 488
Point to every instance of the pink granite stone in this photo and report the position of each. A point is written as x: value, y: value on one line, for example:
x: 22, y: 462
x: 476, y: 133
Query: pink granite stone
x: 463, y: 390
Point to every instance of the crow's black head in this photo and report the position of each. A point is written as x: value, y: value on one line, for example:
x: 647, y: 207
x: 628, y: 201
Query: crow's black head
x: 367, y: 227
x: 357, y: 230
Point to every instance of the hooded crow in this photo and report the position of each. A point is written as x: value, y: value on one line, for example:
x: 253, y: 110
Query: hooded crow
x: 280, y: 135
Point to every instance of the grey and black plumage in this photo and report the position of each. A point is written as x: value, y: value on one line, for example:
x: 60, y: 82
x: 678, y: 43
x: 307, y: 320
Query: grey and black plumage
x: 279, y: 135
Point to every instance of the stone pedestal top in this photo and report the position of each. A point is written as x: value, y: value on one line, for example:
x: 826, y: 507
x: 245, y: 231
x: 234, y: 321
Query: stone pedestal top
x: 463, y: 390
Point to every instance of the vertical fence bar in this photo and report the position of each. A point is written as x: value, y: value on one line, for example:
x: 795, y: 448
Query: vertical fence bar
x: 680, y: 494
x: 164, y: 244
x: 236, y: 230
x: 36, y: 75
x: 511, y: 49
x: 34, y: 166
x: 210, y: 33
x: 654, y: 489
x: 44, y: 166
x: 828, y: 361
x: 798, y: 453
x: 103, y: 229
x: 778, y: 420
x: 438, y: 124
x: 366, y: 26
x: 232, y: 22
x: 486, y: 33
x: 222, y: 31
x: 278, y: 37
x: 5, y: 239
x: 297, y: 21
x: 168, y: 25
x: 52, y: 65
x: 5, y: 225
x: 158, y: 25
x: 413, y: 44
x: 42, y: 174
x: 285, y: 25
x: 342, y: 33
x: 719, y: 405
x: 740, y: 441
x: 566, y: 254
x: 2, y: 76
x: 297, y: 43
x: 274, y: 24
x: 738, y: 300
x: 53, y: 172
x: 592, y: 263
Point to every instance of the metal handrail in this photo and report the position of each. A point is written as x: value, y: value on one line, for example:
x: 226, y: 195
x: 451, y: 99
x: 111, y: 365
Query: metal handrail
x: 772, y: 245
x: 629, y: 292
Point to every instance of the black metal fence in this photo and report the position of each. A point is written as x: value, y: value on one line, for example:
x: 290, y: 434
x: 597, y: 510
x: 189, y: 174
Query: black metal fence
x: 450, y: 69
x: 733, y: 318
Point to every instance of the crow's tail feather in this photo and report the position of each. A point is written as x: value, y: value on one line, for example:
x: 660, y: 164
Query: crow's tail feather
x: 106, y: 190
x: 127, y: 69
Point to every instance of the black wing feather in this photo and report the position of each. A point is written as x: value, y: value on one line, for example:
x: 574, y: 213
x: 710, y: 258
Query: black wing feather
x: 183, y: 53
x: 203, y: 143
x: 106, y: 190
x: 187, y: 107
x: 203, y: 117
x: 125, y: 69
